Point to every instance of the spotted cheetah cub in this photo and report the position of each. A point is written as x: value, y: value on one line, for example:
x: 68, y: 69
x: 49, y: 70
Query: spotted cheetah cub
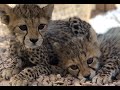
x: 110, y: 57
x: 76, y: 46
x: 83, y: 53
x: 27, y: 24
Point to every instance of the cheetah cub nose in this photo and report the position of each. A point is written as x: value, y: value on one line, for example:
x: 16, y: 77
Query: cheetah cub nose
x: 87, y: 77
x: 34, y: 40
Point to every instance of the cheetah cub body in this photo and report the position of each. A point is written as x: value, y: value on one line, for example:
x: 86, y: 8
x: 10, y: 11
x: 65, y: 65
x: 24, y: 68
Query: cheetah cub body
x: 27, y: 24
x: 110, y: 57
x: 83, y: 53
x: 76, y: 46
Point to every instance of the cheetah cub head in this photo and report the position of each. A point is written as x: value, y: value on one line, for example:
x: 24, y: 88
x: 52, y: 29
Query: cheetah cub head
x: 79, y: 55
x: 27, y: 22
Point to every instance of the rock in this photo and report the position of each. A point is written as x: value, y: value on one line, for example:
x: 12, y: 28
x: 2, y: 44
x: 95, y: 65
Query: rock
x: 77, y: 82
x: 40, y: 79
x: 58, y: 76
x: 52, y: 77
x: 5, y: 83
x: 35, y: 83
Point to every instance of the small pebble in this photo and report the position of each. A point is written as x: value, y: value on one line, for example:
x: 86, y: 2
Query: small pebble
x: 58, y: 76
x: 45, y: 83
x: 52, y: 77
x: 111, y: 84
x: 77, y: 82
x: 35, y: 83
x: 40, y: 79
x: 4, y: 83
x: 59, y: 82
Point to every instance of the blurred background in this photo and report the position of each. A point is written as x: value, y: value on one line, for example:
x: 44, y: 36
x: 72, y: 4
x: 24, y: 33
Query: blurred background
x: 100, y: 16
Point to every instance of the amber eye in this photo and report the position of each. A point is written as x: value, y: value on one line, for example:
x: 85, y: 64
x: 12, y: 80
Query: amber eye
x: 23, y: 27
x: 41, y: 26
x: 90, y: 60
x: 74, y: 67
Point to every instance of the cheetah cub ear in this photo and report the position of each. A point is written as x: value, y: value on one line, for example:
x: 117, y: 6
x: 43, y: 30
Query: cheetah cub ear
x: 5, y: 13
x: 47, y: 8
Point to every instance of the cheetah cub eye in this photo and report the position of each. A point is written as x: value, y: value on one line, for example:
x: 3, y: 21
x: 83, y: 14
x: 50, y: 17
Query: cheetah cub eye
x: 41, y: 26
x: 73, y: 70
x: 73, y: 67
x: 23, y: 27
x: 89, y: 61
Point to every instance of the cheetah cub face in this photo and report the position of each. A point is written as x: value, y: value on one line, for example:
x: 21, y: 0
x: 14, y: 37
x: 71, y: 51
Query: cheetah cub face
x: 27, y: 22
x: 80, y: 54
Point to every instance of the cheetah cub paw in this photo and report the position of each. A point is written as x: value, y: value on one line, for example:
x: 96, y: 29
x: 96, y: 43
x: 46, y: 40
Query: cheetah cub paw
x: 9, y: 72
x: 102, y: 79
x: 17, y: 81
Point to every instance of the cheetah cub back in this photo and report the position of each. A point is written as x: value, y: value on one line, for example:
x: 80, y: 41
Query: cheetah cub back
x: 27, y: 24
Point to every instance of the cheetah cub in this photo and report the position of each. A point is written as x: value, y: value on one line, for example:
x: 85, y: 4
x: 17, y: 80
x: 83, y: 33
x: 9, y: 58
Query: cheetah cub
x: 76, y: 46
x: 83, y: 53
x: 27, y: 24
x: 110, y: 57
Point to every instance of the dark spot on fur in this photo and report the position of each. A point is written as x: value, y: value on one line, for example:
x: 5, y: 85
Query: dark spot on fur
x: 108, y: 67
x: 37, y: 52
x: 74, y: 21
x: 26, y: 73
x: 110, y: 64
x: 41, y: 56
x: 37, y: 74
x: 22, y: 75
x: 30, y: 75
x: 76, y: 32
x: 29, y: 70
x: 76, y: 26
x: 112, y: 68
x: 37, y: 56
x: 82, y: 33
x: 37, y: 49
x: 39, y: 71
x: 32, y: 59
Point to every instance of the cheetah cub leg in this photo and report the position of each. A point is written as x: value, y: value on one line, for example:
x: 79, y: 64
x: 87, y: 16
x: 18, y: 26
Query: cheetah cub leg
x: 29, y: 74
x: 105, y: 74
x: 15, y: 63
x: 58, y: 70
x: 9, y: 72
x: 12, y: 70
